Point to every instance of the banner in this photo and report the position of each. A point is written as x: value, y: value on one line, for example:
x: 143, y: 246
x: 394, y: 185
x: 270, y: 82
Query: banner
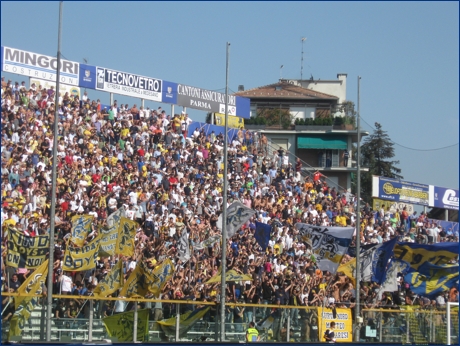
x: 121, y: 326
x: 82, y: 258
x: 207, y: 243
x: 33, y: 285
x: 441, y: 197
x: 63, y: 88
x: 110, y: 235
x: 343, y: 323
x: 352, y: 249
x: 39, y: 66
x: 381, y: 258
x: 419, y: 254
x: 328, y: 244
x: 349, y: 269
x: 27, y: 286
x: 391, y: 206
x: 142, y: 280
x: 113, y: 280
x: 128, y: 84
x: 26, y: 252
x: 262, y: 234
x: 81, y: 226
x: 230, y: 276
x: 431, y: 279
x: 186, y: 321
x: 391, y: 283
x: 237, y: 215
x: 125, y: 240
x: 233, y: 122
x: 183, y: 247
x: 400, y: 191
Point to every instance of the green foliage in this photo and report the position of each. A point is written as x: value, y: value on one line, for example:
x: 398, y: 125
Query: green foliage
x: 376, y: 154
x: 276, y: 116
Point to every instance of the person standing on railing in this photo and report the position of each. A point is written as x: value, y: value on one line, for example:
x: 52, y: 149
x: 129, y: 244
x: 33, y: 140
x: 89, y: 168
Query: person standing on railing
x: 252, y: 334
x: 345, y: 156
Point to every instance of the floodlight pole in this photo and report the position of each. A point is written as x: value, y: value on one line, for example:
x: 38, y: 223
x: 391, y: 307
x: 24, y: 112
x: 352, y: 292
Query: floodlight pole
x: 358, y: 221
x: 53, y: 186
x: 224, y: 209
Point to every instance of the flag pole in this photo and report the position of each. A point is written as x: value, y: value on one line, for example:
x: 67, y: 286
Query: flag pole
x: 224, y: 207
x: 53, y: 187
x: 358, y: 221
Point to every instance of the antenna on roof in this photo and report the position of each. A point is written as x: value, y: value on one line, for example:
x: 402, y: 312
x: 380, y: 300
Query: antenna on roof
x: 281, y: 72
x: 301, y: 60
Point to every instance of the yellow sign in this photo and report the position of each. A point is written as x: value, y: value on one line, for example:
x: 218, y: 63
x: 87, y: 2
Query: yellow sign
x: 343, y: 324
x: 391, y: 206
x: 233, y: 122
x: 82, y: 258
x: 113, y: 281
x: 126, y: 233
x: 26, y: 252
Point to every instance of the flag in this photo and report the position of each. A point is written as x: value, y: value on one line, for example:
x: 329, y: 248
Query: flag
x: 380, y: 260
x: 25, y: 251
x: 161, y: 274
x: 110, y: 234
x: 81, y: 225
x: 121, y: 325
x: 390, y: 284
x: 186, y: 321
x: 112, y: 281
x: 206, y: 243
x: 142, y: 280
x: 365, y: 260
x: 262, y: 234
x: 349, y: 269
x: 237, y: 215
x: 82, y: 258
x: 418, y: 254
x: 125, y: 240
x: 230, y: 276
x: 352, y: 249
x: 267, y: 322
x: 328, y: 244
x: 183, y: 247
x: 431, y: 279
x: 25, y: 305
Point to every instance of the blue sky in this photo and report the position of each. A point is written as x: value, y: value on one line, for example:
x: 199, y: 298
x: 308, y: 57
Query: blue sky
x: 407, y: 54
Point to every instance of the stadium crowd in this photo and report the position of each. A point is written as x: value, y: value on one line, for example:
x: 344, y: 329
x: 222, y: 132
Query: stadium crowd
x: 170, y: 183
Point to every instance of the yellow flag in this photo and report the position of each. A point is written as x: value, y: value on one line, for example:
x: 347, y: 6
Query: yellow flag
x: 113, y: 281
x: 161, y: 275
x: 81, y: 225
x: 186, y: 321
x: 121, y: 326
x: 349, y: 269
x: 33, y: 285
x: 82, y: 258
x: 230, y: 276
x: 126, y: 233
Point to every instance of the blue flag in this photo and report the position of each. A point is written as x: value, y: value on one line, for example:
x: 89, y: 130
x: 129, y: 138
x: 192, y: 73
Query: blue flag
x: 380, y: 260
x: 262, y: 234
x: 431, y: 279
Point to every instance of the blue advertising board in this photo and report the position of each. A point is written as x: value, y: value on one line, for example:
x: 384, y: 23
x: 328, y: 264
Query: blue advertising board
x: 400, y: 190
x: 87, y: 77
x: 169, y: 92
x: 441, y: 197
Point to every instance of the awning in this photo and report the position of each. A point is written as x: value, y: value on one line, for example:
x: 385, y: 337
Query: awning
x: 322, y: 142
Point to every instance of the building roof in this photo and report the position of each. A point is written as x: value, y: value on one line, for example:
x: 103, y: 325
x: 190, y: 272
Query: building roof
x: 284, y: 90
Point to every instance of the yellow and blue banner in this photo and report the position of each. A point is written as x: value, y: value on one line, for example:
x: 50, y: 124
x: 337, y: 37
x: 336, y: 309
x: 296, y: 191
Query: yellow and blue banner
x: 81, y: 226
x: 186, y: 321
x: 161, y: 275
x: 230, y: 276
x: 110, y: 234
x: 82, y: 258
x: 113, y: 281
x: 262, y: 234
x: 431, y: 279
x: 125, y: 240
x: 25, y: 305
x: 121, y: 326
x: 419, y: 254
x: 25, y: 251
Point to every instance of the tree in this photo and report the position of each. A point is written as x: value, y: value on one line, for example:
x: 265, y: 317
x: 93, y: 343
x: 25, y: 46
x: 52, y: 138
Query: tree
x: 376, y: 154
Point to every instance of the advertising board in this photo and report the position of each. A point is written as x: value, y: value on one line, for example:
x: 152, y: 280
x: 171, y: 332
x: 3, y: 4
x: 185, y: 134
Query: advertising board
x: 63, y: 88
x: 441, y: 197
x: 39, y: 66
x: 399, y: 190
x: 233, y: 122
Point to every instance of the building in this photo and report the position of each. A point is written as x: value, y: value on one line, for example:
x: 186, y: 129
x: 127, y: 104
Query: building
x: 312, y: 120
